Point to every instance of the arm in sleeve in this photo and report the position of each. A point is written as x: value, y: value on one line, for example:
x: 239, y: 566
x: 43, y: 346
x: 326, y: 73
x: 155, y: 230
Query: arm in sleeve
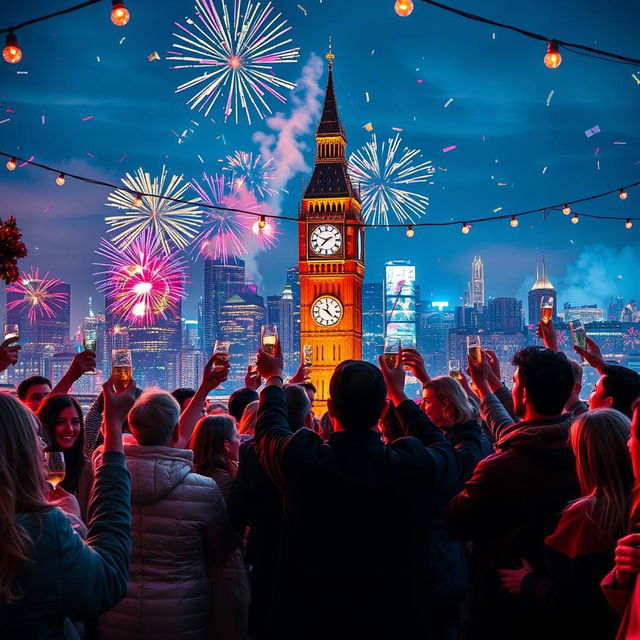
x: 618, y: 597
x: 92, y: 424
x: 94, y: 575
x: 239, y: 502
x: 503, y: 393
x: 495, y: 415
x: 220, y: 537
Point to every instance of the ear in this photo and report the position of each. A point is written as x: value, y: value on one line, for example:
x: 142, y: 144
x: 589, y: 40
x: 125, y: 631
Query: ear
x: 608, y: 400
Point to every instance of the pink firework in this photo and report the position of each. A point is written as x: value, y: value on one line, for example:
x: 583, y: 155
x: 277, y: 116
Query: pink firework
x: 631, y: 338
x: 141, y: 281
x: 40, y: 296
x: 562, y: 338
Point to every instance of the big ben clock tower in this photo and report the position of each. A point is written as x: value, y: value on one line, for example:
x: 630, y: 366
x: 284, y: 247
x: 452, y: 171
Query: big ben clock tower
x: 331, y: 253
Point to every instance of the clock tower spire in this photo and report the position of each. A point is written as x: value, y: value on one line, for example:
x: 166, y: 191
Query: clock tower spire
x: 331, y: 252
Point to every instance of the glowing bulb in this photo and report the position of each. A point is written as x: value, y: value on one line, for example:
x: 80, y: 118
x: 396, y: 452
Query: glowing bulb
x: 60, y: 179
x: 566, y: 209
x: 262, y: 223
x: 403, y: 8
x: 466, y: 228
x: 514, y: 222
x: 137, y: 201
x: 628, y: 224
x: 623, y: 194
x: 553, y: 59
x: 138, y: 309
x: 574, y: 218
x: 12, y: 53
x: 119, y: 13
x: 410, y: 231
x: 142, y: 287
x: 12, y: 163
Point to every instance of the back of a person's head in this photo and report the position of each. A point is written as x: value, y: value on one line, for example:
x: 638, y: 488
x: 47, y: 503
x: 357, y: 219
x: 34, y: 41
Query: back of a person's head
x: 309, y: 386
x: 457, y: 409
x: 208, y: 440
x: 358, y: 394
x: 298, y: 405
x: 153, y: 417
x: 247, y: 424
x: 239, y: 400
x: 21, y: 479
x: 577, y: 371
x: 623, y: 385
x: 27, y: 383
x: 182, y: 394
x: 599, y: 440
x: 547, y: 377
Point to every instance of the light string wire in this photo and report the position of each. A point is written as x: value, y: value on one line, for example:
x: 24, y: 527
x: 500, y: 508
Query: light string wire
x: 572, y: 46
x: 506, y: 216
x: 26, y: 23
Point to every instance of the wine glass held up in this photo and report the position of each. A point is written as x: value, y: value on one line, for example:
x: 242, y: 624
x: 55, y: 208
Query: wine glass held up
x: 269, y: 339
x: 55, y: 467
x: 121, y: 368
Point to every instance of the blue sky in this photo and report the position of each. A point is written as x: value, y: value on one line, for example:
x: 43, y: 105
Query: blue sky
x: 498, y: 120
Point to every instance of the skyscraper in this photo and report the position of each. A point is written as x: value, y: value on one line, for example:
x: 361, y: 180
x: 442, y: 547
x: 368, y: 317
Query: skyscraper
x: 541, y: 287
x: 400, y: 302
x: 273, y: 309
x: 285, y: 329
x: 372, y: 321
x: 505, y: 314
x: 293, y: 280
x: 477, y: 283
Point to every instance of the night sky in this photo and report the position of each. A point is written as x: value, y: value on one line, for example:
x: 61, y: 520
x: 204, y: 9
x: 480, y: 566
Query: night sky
x: 410, y: 67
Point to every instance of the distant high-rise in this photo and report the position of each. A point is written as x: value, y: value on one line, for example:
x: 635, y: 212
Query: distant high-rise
x: 293, y: 280
x: 477, y: 283
x: 400, y: 302
x: 273, y: 309
x: 221, y: 281
x: 505, y: 314
x: 541, y: 287
x: 372, y: 321
x: 285, y: 329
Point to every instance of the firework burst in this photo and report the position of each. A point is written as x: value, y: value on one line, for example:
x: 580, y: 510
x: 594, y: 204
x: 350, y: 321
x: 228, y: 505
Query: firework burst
x: 40, y: 296
x: 631, y: 337
x: 236, y: 55
x: 140, y: 280
x: 251, y: 173
x: 383, y: 174
x: 171, y: 222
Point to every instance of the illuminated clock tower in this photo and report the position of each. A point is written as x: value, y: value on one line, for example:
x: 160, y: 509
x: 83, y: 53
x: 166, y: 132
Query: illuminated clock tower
x: 331, y: 254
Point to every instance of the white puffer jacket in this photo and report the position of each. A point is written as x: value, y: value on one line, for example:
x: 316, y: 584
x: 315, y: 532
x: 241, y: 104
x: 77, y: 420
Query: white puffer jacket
x: 176, y: 517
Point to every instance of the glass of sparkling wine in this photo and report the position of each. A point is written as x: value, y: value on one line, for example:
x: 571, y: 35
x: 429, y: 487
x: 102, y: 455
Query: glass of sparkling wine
x: 253, y: 365
x: 578, y: 334
x: 269, y: 338
x: 546, y: 308
x: 121, y: 369
x: 221, y: 352
x: 11, y: 333
x: 474, y: 348
x: 307, y: 353
x: 54, y: 465
x: 391, y: 352
x: 90, y: 343
x: 454, y: 369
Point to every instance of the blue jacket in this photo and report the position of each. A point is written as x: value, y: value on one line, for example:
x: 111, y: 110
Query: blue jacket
x: 67, y: 577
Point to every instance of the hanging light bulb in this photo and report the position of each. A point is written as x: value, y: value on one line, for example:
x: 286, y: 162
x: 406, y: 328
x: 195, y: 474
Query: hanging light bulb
x: 628, y: 224
x: 514, y: 222
x: 553, y: 59
x: 466, y: 228
x: 262, y: 223
x: 12, y: 53
x: 12, y: 163
x: 410, y: 231
x: 119, y: 13
x: 137, y: 201
x: 623, y: 194
x: 60, y: 179
x: 574, y: 218
x: 566, y: 209
x: 403, y: 8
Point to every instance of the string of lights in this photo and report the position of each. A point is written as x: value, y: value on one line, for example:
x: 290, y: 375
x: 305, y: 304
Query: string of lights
x: 513, y: 218
x: 12, y: 52
x: 552, y: 59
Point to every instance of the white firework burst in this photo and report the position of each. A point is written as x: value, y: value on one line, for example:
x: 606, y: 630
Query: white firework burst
x: 251, y: 173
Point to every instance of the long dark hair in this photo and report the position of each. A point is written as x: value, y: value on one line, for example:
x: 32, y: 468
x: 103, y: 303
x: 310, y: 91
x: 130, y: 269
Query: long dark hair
x: 207, y: 443
x: 74, y: 459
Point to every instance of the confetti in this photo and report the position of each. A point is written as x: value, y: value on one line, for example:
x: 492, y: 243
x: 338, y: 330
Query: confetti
x: 368, y: 126
x: 373, y: 51
x: 544, y: 171
x: 5, y: 120
x: 47, y: 209
x: 442, y: 169
x: 123, y: 158
x: 123, y: 39
x: 502, y: 184
x: 91, y: 155
x: 302, y: 9
x: 27, y: 162
x: 592, y: 131
x: 448, y: 102
x: 598, y: 164
x: 635, y: 77
x: 420, y: 81
x: 11, y: 110
x: 42, y: 119
x: 597, y: 151
x: 493, y: 36
x: 224, y: 140
x: 200, y: 158
x: 366, y: 95
x: 571, y: 241
x: 87, y: 118
x: 619, y: 143
x: 619, y: 276
x: 98, y: 58
x: 447, y: 149
x: 550, y: 96
x: 497, y: 209
x: 22, y: 73
x: 396, y: 129
x: 153, y: 56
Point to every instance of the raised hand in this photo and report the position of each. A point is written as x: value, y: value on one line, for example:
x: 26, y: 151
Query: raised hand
x: 412, y: 359
x: 301, y: 375
x: 592, y: 355
x: 252, y: 379
x: 269, y: 365
x: 214, y: 374
x: 511, y: 579
x: 480, y: 373
x: 82, y: 363
x: 627, y: 558
x: 117, y: 404
x: 394, y: 377
x: 547, y: 333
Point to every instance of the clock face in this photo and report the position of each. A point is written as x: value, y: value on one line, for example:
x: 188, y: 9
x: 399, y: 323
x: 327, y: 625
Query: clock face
x: 326, y: 240
x: 326, y: 311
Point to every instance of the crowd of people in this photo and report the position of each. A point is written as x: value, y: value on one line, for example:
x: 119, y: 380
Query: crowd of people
x: 476, y: 513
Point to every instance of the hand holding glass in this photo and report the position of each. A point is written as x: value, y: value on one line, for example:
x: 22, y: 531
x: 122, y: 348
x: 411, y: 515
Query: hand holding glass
x: 54, y: 465
x: 454, y: 369
x: 221, y: 352
x: 474, y: 348
x: 11, y: 333
x: 546, y: 308
x: 391, y: 352
x: 90, y: 343
x: 269, y: 339
x: 578, y: 334
x: 121, y: 369
x: 307, y: 355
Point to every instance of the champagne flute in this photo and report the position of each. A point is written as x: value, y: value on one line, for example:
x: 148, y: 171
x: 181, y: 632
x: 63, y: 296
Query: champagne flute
x: 269, y: 338
x: 253, y: 365
x: 11, y: 333
x: 121, y: 369
x: 221, y: 350
x: 578, y: 334
x: 474, y: 349
x: 307, y: 355
x: 90, y: 343
x: 54, y: 465
x: 454, y: 369
x: 546, y: 308
x: 391, y: 352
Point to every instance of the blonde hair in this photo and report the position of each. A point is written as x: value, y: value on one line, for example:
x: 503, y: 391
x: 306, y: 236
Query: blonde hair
x: 20, y: 488
x: 153, y: 417
x: 247, y: 424
x: 603, y: 466
x: 457, y: 407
